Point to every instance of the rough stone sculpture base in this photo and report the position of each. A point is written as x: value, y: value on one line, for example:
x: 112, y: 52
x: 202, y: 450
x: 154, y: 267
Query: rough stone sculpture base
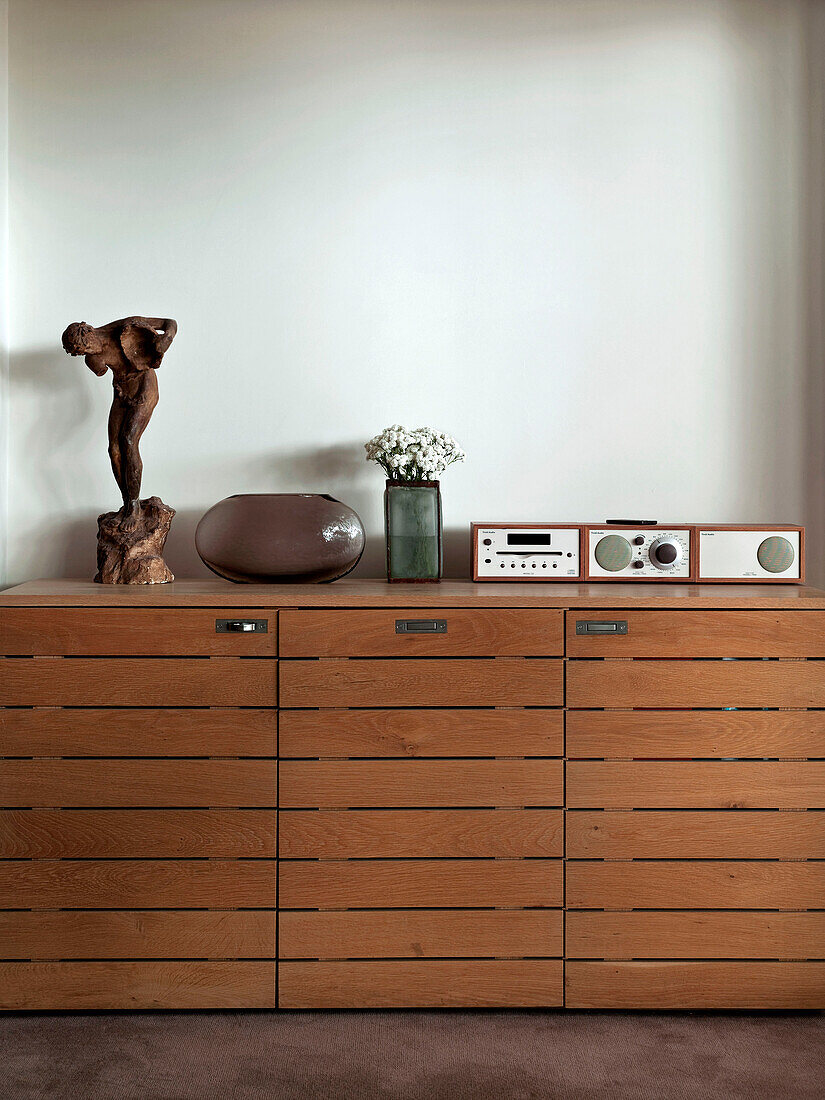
x: 134, y: 557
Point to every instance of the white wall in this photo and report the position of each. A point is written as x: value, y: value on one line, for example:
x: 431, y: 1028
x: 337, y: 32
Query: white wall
x: 4, y: 266
x: 574, y: 233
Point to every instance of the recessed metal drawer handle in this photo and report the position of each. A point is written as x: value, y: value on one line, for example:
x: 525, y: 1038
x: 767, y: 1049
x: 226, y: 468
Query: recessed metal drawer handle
x: 601, y: 626
x: 241, y: 626
x: 420, y: 626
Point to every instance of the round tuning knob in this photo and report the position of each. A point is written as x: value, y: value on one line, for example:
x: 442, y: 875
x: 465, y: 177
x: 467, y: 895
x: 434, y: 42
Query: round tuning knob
x: 613, y: 553
x: 775, y: 554
x: 665, y: 553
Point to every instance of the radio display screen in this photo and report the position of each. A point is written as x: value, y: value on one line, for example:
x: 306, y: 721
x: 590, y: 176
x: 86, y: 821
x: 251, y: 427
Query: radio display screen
x: 534, y: 538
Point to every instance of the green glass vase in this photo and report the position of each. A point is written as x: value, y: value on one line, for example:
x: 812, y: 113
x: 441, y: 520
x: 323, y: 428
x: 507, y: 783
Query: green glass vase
x: 412, y: 519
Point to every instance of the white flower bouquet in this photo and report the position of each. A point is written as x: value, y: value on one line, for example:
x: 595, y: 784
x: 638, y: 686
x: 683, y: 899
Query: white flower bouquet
x: 419, y: 454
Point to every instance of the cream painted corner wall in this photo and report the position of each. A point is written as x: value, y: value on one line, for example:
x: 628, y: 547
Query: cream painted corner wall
x: 584, y: 236
x: 4, y: 297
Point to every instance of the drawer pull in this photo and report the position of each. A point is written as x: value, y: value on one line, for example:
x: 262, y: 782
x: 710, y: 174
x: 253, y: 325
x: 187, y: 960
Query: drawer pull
x: 420, y: 626
x: 601, y: 626
x: 241, y: 626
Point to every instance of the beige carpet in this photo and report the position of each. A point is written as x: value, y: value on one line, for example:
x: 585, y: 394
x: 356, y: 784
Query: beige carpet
x: 413, y: 1056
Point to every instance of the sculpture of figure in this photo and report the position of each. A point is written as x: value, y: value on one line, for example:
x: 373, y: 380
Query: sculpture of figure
x: 132, y: 349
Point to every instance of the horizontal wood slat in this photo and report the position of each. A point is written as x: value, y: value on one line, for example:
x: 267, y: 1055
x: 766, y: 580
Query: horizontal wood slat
x: 420, y: 933
x: 688, y: 633
x: 655, y: 733
x: 689, y: 935
x: 420, y: 682
x: 383, y: 834
x: 691, y: 684
x: 443, y: 883
x: 675, y: 985
x: 741, y: 784
x: 413, y: 733
x: 150, y: 984
x: 102, y: 783
x: 161, y: 731
x: 137, y: 682
x: 359, y: 783
x: 137, y: 884
x: 682, y: 884
x: 687, y: 834
x: 132, y: 632
x: 489, y: 983
x: 138, y: 934
x: 137, y: 834
x: 480, y: 632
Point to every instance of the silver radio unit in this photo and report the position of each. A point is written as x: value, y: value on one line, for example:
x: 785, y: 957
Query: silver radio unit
x: 638, y: 550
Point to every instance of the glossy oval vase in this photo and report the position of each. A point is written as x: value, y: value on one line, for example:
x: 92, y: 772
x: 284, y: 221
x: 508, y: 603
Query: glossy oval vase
x: 268, y: 538
x: 412, y: 518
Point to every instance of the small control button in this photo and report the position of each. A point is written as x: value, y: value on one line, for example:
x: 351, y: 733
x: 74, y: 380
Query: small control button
x: 544, y: 565
x: 638, y: 564
x: 639, y: 540
x: 488, y: 542
x: 488, y: 561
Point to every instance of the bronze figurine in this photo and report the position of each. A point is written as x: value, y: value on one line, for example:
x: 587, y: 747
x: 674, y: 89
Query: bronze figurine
x: 131, y: 540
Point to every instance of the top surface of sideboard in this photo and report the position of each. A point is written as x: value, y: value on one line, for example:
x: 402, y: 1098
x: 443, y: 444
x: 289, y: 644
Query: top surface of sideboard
x: 378, y: 593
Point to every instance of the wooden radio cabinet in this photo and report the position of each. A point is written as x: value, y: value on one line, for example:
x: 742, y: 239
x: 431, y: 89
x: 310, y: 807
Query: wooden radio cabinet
x: 370, y: 795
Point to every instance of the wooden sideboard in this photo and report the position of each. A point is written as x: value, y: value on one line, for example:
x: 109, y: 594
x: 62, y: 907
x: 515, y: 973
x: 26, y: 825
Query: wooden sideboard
x: 343, y: 808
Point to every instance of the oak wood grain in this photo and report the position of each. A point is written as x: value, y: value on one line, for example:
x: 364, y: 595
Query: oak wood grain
x: 105, y: 783
x: 691, y: 935
x: 150, y: 731
x: 145, y: 632
x: 679, y: 985
x: 384, y: 834
x: 137, y: 884
x: 138, y: 934
x: 478, y: 632
x: 705, y: 634
x: 421, y: 733
x: 137, y: 834
x: 371, y: 592
x: 696, y: 784
x: 688, y: 834
x: 421, y: 682
x: 360, y: 783
x: 683, y: 884
x: 693, y: 684
x: 143, y: 985
x: 138, y: 682
x: 442, y: 883
x: 662, y: 733
x: 420, y: 933
x: 488, y: 983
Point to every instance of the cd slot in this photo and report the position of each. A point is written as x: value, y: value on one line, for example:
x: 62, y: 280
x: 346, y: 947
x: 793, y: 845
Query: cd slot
x: 529, y: 553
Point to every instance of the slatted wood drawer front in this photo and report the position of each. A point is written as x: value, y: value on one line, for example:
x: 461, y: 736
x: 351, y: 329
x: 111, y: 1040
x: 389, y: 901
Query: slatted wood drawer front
x: 437, y: 983
x: 420, y: 933
x: 103, y: 783
x: 700, y: 733
x: 173, y: 984
x: 411, y: 733
x: 137, y: 834
x: 151, y: 731
x: 687, y: 884
x: 137, y: 682
x: 420, y: 682
x: 138, y: 884
x: 418, y: 834
x: 359, y: 783
x: 692, y: 935
x: 138, y: 933
x: 480, y: 632
x: 428, y: 883
x: 686, y: 834
x: 655, y: 784
x: 644, y: 683
x: 132, y: 632
x: 675, y: 985
x: 702, y: 634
